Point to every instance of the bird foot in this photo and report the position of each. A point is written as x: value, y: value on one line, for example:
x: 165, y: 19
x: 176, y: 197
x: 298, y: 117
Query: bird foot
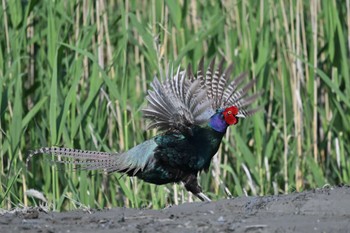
x: 191, y: 184
x: 203, y: 197
x: 227, y: 192
x: 168, y: 206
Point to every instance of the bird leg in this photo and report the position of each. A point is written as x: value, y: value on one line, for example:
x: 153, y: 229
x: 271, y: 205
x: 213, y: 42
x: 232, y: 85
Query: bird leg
x: 191, y: 185
x: 226, y: 190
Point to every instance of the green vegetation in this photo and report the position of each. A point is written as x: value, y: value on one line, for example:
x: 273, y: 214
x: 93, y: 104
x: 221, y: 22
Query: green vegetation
x: 75, y: 74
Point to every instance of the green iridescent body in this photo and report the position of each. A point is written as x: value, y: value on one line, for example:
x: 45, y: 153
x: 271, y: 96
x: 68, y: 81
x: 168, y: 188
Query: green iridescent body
x: 175, y: 156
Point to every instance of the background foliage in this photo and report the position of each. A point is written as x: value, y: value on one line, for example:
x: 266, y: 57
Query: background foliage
x: 75, y: 74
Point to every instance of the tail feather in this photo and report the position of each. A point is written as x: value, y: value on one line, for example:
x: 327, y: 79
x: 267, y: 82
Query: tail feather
x: 130, y: 162
x: 89, y: 160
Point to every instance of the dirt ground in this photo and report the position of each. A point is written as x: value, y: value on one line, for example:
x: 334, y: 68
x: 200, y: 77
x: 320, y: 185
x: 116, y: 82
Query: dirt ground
x: 320, y: 210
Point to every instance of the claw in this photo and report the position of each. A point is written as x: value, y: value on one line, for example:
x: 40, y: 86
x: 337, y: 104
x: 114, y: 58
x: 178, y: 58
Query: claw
x: 203, y: 197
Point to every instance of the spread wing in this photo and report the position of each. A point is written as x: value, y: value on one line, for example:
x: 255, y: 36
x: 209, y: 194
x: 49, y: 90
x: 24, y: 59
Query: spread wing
x: 177, y: 103
x: 185, y: 99
x: 223, y: 92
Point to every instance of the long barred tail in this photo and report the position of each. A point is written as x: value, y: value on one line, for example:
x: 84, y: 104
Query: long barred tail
x: 89, y: 160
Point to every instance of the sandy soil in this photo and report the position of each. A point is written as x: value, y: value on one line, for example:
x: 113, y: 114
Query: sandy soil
x: 321, y: 210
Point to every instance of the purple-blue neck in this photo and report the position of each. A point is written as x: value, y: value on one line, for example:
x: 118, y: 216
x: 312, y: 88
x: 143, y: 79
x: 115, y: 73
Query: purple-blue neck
x: 217, y: 122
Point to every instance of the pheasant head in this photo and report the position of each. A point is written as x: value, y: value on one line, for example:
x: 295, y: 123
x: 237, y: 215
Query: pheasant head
x: 224, y: 118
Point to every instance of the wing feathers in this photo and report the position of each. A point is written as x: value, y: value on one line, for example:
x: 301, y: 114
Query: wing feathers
x: 232, y: 87
x: 209, y: 77
x: 200, y: 72
x: 237, y: 95
x: 184, y: 99
x: 219, y: 82
x: 248, y: 100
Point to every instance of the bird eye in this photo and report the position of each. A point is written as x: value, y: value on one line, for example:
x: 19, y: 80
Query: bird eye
x: 229, y: 112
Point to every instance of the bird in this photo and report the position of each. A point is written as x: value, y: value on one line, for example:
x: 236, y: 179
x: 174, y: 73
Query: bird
x: 191, y: 112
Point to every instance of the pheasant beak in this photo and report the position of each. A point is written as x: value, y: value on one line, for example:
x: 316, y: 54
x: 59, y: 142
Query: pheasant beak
x: 240, y: 115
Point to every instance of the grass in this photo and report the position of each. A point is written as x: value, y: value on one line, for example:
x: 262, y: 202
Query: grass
x: 75, y: 74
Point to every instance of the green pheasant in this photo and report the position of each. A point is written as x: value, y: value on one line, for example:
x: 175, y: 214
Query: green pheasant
x: 192, y: 112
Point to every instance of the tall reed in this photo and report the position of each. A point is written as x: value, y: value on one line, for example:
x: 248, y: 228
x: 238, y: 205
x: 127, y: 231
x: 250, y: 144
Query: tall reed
x: 75, y: 74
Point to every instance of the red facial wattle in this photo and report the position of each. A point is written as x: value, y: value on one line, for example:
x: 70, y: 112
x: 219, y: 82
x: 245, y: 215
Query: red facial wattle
x: 230, y: 115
